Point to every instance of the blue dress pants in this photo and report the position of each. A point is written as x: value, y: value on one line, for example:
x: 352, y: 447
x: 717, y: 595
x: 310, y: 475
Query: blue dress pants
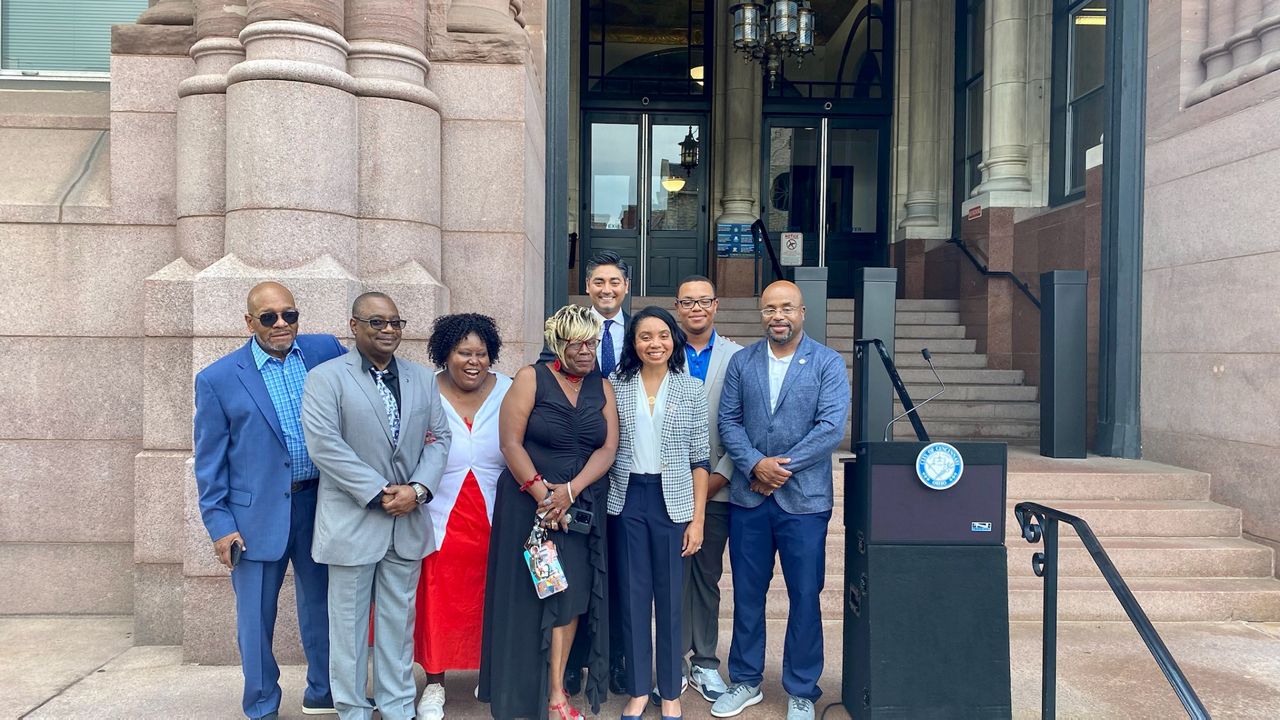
x: 755, y: 536
x: 257, y: 585
x: 652, y: 577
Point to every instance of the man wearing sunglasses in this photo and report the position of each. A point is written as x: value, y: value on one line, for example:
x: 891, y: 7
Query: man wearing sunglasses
x: 377, y: 431
x: 258, y: 491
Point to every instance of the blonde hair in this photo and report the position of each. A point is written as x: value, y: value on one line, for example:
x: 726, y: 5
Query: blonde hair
x: 571, y: 323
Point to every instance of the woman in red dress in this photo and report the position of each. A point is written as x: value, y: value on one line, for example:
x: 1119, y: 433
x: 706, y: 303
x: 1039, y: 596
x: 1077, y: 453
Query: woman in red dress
x: 451, y: 590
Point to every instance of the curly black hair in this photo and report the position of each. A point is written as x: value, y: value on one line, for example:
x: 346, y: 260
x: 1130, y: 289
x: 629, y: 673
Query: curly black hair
x: 449, y: 330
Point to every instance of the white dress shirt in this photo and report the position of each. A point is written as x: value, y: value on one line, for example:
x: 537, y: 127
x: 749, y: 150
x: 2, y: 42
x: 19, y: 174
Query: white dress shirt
x: 619, y: 322
x: 777, y: 373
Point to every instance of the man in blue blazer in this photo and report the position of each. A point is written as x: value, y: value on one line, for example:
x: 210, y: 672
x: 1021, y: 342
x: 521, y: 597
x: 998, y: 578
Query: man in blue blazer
x: 258, y: 492
x: 782, y: 414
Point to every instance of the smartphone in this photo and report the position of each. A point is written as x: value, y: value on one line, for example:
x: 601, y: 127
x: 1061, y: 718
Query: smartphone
x: 580, y: 520
x: 236, y: 551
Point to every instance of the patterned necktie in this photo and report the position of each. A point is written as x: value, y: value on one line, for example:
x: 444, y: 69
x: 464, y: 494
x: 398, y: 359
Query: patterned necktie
x: 607, y: 361
x: 389, y: 402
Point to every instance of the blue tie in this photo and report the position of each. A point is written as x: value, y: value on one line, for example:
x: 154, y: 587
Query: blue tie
x: 607, y: 360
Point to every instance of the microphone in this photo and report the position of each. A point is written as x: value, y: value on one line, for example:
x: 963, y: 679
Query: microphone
x: 928, y: 357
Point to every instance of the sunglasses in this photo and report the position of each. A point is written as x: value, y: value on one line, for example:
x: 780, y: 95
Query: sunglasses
x: 268, y: 319
x: 379, y: 323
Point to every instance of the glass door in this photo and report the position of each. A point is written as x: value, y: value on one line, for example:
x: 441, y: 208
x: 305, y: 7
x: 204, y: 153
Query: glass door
x: 640, y: 201
x: 824, y: 178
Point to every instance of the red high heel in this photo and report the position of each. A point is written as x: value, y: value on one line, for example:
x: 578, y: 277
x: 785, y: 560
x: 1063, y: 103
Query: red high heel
x: 564, y: 711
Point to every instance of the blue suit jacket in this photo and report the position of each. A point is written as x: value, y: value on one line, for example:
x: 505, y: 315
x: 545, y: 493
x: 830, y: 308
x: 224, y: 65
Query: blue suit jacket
x: 807, y: 426
x: 241, y: 463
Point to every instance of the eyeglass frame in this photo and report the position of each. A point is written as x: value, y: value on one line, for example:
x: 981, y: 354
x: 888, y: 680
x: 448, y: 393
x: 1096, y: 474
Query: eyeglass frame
x: 378, y: 323
x: 784, y: 311
x: 591, y: 343
x: 704, y: 303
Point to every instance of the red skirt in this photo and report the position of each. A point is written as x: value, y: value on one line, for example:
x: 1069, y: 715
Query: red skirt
x: 450, y: 603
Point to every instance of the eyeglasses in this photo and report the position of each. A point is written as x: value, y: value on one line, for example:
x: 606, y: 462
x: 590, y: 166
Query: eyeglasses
x: 784, y: 311
x: 269, y: 319
x: 577, y: 345
x: 379, y: 323
x: 704, y: 303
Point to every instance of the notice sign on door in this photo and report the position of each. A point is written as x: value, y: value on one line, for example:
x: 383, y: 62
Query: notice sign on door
x: 792, y: 248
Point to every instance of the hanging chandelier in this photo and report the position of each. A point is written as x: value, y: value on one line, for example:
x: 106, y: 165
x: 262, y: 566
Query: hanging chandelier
x: 769, y: 31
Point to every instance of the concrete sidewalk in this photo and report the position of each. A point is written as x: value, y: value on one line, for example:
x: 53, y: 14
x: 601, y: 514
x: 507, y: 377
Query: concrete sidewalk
x: 87, y: 668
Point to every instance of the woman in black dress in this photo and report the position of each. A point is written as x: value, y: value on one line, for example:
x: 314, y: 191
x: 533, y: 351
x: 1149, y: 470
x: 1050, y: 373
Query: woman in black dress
x: 559, y: 434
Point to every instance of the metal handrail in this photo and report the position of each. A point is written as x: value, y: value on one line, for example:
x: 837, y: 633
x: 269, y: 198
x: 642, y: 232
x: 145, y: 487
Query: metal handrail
x: 761, y: 235
x: 988, y: 272
x: 1037, y: 522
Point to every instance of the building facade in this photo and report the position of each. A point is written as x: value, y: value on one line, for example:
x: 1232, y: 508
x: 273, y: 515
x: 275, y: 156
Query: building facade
x: 402, y: 146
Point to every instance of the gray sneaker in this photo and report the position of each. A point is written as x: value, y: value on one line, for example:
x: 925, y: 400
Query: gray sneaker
x: 707, y: 682
x: 738, y: 698
x: 799, y: 708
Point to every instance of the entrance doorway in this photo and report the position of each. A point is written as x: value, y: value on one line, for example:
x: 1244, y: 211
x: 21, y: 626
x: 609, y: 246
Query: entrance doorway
x: 825, y: 178
x: 639, y: 201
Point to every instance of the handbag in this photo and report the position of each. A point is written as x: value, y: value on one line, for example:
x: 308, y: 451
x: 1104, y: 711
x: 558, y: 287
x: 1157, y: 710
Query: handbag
x: 544, y: 563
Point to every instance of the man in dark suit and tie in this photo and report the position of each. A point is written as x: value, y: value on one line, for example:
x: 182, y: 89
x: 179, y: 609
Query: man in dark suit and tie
x: 258, y: 492
x: 782, y: 414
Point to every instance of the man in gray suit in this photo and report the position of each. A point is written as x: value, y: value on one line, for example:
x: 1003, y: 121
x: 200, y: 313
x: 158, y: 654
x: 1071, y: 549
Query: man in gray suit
x: 707, y: 355
x: 378, y: 434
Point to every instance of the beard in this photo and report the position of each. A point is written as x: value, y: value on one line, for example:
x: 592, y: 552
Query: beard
x: 785, y: 337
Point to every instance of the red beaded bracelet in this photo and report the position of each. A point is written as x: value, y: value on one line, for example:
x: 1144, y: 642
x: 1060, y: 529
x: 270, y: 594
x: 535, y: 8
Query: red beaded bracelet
x: 536, y: 478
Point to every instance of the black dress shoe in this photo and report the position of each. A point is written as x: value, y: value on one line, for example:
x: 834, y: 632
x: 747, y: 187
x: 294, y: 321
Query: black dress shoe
x: 573, y: 680
x: 618, y: 680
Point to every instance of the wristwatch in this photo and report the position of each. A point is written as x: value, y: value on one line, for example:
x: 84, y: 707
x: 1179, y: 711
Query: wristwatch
x: 424, y: 495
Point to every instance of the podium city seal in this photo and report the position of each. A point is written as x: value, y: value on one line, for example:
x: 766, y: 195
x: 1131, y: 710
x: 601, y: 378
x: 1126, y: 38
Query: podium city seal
x: 939, y: 466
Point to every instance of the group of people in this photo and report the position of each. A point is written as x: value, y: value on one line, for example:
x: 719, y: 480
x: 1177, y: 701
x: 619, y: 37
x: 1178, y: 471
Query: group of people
x: 539, y: 528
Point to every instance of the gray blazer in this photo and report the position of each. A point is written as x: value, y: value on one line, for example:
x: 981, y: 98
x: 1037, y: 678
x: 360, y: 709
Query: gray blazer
x: 716, y: 369
x: 807, y: 426
x: 684, y: 442
x: 349, y: 440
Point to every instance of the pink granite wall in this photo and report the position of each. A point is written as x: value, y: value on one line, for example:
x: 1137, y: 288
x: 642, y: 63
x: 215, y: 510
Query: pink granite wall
x: 1211, y: 274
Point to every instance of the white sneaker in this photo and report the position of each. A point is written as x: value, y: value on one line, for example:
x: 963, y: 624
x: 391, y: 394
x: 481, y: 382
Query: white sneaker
x: 707, y: 682
x: 431, y: 706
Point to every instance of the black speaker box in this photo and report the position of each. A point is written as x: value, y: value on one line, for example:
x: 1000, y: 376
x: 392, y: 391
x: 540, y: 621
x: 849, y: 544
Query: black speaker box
x: 926, y: 609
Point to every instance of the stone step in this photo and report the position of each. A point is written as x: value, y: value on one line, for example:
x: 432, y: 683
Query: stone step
x: 904, y: 317
x: 944, y: 408
x: 928, y: 306
x: 1103, y: 486
x: 929, y: 331
x: 971, y: 428
x: 953, y: 361
x: 1156, y: 557
x: 1163, y: 599
x: 846, y: 318
x: 1140, y: 518
x: 1133, y: 556
x: 961, y: 376
x: 914, y: 345
x: 979, y: 393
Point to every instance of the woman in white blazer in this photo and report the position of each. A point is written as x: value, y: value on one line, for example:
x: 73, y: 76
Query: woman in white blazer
x: 657, y: 489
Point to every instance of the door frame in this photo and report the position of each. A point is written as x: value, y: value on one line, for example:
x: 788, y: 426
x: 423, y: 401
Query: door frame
x: 644, y: 121
x: 826, y: 122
